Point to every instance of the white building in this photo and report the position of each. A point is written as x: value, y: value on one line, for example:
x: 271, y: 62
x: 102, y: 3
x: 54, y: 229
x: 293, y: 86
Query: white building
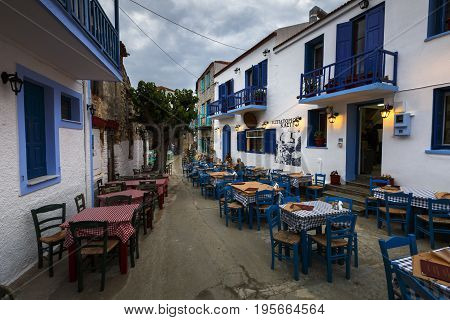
x: 46, y: 127
x: 350, y: 64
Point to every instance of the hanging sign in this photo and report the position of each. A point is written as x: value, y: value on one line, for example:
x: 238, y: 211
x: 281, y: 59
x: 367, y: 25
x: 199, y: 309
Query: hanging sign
x: 288, y: 123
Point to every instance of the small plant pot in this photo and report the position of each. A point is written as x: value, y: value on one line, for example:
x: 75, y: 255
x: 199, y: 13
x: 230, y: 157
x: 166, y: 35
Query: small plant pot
x: 320, y: 142
x: 335, y: 180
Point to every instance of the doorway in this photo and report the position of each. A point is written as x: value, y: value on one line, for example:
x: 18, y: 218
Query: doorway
x: 226, y: 141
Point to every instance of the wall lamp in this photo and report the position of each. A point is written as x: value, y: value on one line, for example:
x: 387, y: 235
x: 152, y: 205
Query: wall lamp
x: 266, y: 52
x: 364, y: 4
x: 14, y: 80
x: 265, y: 124
x: 385, y: 112
x: 237, y: 70
x: 91, y: 109
x: 332, y: 114
x: 297, y: 121
x: 237, y: 127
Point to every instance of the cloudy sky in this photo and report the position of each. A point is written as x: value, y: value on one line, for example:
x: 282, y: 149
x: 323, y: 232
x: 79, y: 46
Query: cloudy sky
x: 240, y: 23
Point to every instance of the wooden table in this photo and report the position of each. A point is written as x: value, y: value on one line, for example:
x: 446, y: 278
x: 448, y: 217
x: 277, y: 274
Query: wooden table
x: 301, y: 221
x: 298, y: 179
x: 119, y: 225
x: 420, y: 195
x: 245, y: 196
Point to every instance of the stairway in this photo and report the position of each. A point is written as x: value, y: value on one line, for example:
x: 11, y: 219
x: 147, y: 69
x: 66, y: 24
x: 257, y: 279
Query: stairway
x: 356, y: 190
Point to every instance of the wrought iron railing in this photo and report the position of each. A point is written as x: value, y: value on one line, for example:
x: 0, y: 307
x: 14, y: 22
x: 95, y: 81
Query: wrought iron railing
x: 239, y: 99
x: 90, y: 16
x: 361, y: 69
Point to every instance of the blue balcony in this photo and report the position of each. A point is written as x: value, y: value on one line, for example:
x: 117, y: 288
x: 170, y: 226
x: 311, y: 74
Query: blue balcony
x: 203, y: 122
x: 248, y: 99
x: 365, y: 76
x: 75, y: 36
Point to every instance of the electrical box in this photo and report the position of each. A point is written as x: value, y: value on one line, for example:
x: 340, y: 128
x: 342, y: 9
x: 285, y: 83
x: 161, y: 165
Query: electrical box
x: 402, y: 124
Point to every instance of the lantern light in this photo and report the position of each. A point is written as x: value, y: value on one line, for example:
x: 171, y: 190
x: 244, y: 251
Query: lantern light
x: 297, y: 121
x: 386, y: 111
x: 265, y: 124
x: 14, y: 80
x: 237, y: 127
x: 237, y: 70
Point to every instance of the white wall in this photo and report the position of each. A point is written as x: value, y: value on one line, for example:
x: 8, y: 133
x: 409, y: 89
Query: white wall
x: 18, y: 249
x: 420, y: 64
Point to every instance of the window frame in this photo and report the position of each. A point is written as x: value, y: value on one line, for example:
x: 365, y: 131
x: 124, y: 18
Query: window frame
x: 436, y: 18
x: 310, y: 48
x: 438, y: 125
x: 76, y: 112
x: 247, y: 145
x: 316, y: 127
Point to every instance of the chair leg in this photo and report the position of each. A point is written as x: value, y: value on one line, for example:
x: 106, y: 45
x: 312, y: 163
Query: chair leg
x: 329, y: 270
x: 132, y: 251
x: 102, y: 287
x: 295, y: 248
x: 280, y: 251
x: 388, y: 224
x: 137, y: 246
x: 347, y: 264
x: 226, y: 218
x: 432, y: 237
x: 40, y: 255
x: 272, y: 266
x: 50, y: 260
x: 366, y: 211
x: 79, y: 273
x: 61, y: 249
x: 355, y: 249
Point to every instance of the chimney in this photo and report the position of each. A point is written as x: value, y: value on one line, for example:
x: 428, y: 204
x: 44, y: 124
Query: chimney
x: 315, y: 14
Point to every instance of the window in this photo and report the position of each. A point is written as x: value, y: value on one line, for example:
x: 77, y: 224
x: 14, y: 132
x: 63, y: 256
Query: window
x: 257, y: 75
x: 314, y: 54
x: 255, y: 141
x: 202, y: 85
x: 317, y: 126
x: 359, y: 43
x: 439, y: 17
x: 441, y: 119
x: 208, y: 80
x: 70, y: 108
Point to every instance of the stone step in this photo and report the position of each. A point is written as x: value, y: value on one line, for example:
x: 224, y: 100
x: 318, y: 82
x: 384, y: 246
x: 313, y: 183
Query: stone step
x: 357, y: 200
x: 358, y: 184
x: 359, y: 191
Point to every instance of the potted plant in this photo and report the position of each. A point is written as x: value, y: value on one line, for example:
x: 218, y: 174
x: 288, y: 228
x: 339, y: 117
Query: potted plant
x: 385, y: 177
x: 335, y: 178
x: 319, y: 139
x: 260, y: 96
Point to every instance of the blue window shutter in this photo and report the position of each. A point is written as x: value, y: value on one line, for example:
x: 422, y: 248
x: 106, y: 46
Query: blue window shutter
x: 35, y: 130
x: 247, y: 77
x: 263, y: 70
x: 438, y: 116
x: 309, y: 57
x: 241, y: 145
x: 436, y: 21
x: 270, y: 141
x: 255, y: 76
x: 374, y: 38
x: 231, y: 86
x: 343, y: 51
x: 313, y: 121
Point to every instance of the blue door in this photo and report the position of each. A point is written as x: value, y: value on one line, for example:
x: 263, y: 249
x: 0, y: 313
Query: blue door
x: 374, y: 41
x: 35, y: 130
x: 226, y: 142
x: 343, y: 53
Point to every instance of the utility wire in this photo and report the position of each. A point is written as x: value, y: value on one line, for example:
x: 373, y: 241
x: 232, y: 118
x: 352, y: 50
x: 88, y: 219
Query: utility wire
x: 165, y: 52
x: 183, y: 27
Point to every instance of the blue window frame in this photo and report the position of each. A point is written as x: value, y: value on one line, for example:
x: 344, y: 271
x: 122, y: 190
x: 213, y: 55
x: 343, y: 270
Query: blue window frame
x: 314, y: 54
x: 241, y: 141
x: 256, y: 76
x: 317, y: 122
x: 70, y: 111
x: 439, y: 17
x: 440, y: 138
x: 39, y: 119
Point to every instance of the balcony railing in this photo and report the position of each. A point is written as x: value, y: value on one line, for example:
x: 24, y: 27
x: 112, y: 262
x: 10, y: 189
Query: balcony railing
x: 239, y: 99
x: 203, y: 121
x: 94, y: 21
x: 361, y: 69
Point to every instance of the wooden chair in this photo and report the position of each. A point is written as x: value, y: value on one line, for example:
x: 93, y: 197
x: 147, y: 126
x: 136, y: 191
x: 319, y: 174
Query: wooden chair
x: 121, y: 185
x: 106, y: 190
x: 282, y: 240
x: 47, y: 221
x: 88, y: 245
x: 392, y: 243
x: 134, y: 239
x: 264, y: 199
x: 285, y: 184
x: 410, y: 288
x: 117, y: 200
x: 99, y: 183
x: 397, y: 209
x: 314, y: 190
x: 6, y: 293
x: 437, y: 220
x: 80, y: 202
x: 136, y: 171
x: 372, y: 203
x: 232, y: 210
x: 285, y: 200
x: 338, y: 242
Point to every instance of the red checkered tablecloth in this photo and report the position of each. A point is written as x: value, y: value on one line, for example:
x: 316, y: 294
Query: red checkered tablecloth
x: 136, y: 195
x: 118, y: 218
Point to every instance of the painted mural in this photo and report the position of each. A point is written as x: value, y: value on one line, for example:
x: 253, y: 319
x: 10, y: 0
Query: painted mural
x: 289, y: 146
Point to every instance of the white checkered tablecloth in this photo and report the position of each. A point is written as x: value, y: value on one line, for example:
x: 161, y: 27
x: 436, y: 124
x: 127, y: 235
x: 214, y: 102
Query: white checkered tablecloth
x: 243, y: 198
x: 296, y: 182
x: 118, y: 218
x: 439, y: 290
x: 307, y: 220
x: 419, y: 199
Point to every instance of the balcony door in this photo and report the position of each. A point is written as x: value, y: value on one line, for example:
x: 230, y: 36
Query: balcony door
x: 226, y: 142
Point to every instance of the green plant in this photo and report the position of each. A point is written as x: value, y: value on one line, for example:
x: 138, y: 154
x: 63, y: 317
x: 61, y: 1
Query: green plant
x: 319, y: 134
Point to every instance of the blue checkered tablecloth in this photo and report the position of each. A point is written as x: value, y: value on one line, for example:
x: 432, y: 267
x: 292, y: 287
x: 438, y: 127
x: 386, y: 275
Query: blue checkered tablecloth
x: 307, y: 220
x: 243, y: 198
x: 298, y: 181
x: 438, y: 290
x: 419, y: 199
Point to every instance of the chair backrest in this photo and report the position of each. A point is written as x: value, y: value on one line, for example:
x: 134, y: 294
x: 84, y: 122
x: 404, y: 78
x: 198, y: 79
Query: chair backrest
x: 319, y: 179
x: 117, y: 176
x: 276, y: 176
x: 346, y: 231
x: 285, y: 200
x: 99, y: 183
x: 96, y: 232
x: 228, y: 193
x: 121, y: 185
x: 273, y: 219
x: 148, y: 187
x: 392, y: 243
x: 439, y: 208
x: 136, y: 171
x: 137, y: 213
x: 6, y: 292
x: 264, y: 197
x: 398, y: 200
x: 80, y: 202
x: 48, y: 217
x: 410, y: 287
x: 117, y: 200
x: 147, y: 182
x: 375, y: 183
x: 348, y: 202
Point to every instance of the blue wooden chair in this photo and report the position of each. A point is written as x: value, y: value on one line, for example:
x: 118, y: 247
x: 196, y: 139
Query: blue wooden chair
x: 203, y: 180
x: 397, y: 209
x: 232, y: 210
x: 437, y: 220
x: 314, y: 190
x: 392, y: 243
x: 338, y: 243
x: 285, y: 183
x: 264, y: 199
x: 280, y: 239
x: 410, y: 288
x: 348, y: 204
x: 265, y: 181
x: 373, y: 203
x: 285, y: 200
x: 220, y: 196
